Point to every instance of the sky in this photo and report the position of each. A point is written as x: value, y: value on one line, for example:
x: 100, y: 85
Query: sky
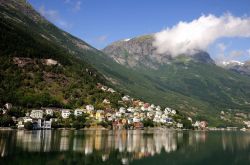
x: 101, y: 22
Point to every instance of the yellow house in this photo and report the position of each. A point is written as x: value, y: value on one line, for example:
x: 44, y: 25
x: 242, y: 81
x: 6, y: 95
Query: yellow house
x: 99, y: 115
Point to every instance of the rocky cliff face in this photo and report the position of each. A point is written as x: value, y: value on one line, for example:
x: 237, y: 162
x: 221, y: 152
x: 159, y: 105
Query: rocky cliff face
x: 140, y: 52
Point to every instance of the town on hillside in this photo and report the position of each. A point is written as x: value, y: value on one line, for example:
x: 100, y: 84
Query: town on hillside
x: 134, y: 114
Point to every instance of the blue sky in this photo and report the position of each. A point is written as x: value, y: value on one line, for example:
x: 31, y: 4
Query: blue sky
x: 101, y: 22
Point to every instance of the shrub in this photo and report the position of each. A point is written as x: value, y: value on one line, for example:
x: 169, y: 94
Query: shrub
x: 28, y: 125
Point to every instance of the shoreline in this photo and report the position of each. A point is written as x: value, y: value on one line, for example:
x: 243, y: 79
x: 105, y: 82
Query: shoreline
x: 146, y: 129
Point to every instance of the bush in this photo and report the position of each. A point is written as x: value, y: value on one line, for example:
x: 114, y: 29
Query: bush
x: 76, y: 125
x: 148, y: 123
x: 6, y: 121
x: 56, y: 124
x: 28, y: 125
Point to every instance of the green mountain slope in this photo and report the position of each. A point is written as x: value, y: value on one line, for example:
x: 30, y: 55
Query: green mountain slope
x: 27, y: 42
x: 188, y: 83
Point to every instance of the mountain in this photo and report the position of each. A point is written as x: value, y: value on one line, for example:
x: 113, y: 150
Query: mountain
x: 238, y: 67
x: 192, y: 84
x: 140, y: 52
x: 41, y: 64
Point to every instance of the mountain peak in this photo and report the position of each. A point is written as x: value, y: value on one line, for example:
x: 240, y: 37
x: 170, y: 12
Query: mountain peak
x: 139, y: 51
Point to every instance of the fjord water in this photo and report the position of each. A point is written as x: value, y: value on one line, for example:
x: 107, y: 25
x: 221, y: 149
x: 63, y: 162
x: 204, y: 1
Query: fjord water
x: 124, y: 147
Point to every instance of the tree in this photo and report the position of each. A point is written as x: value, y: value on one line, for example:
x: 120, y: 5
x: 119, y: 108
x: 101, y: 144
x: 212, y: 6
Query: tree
x: 28, y: 125
x: 187, y: 124
x: 76, y: 125
x: 6, y: 121
x: 148, y: 123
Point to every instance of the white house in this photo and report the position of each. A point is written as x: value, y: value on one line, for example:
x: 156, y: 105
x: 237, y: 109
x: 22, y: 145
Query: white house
x: 90, y: 108
x: 78, y: 112
x: 126, y: 98
x: 122, y: 110
x: 118, y: 114
x: 135, y: 119
x: 111, y: 90
x: 36, y: 114
x: 173, y: 112
x: 104, y: 88
x: 130, y: 109
x: 158, y: 108
x: 157, y: 119
x: 8, y: 106
x: 49, y: 111
x: 65, y: 113
x: 247, y: 123
x: 106, y: 101
x: 152, y: 106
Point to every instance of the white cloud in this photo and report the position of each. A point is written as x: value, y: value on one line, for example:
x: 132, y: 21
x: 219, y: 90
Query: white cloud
x: 186, y: 37
x: 77, y: 6
x: 248, y: 51
x: 236, y: 53
x: 102, y: 39
x: 54, y: 16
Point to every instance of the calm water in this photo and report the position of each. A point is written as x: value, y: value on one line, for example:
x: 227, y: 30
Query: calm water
x: 124, y: 147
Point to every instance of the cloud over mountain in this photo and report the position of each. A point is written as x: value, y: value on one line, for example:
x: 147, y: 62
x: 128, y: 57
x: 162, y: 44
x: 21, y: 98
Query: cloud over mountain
x: 186, y: 37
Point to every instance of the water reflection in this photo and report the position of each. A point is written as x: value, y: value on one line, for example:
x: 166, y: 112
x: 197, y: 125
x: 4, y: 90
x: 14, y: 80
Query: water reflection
x: 126, y: 145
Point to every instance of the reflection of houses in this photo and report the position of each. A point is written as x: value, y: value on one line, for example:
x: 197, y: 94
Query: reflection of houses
x: 47, y: 124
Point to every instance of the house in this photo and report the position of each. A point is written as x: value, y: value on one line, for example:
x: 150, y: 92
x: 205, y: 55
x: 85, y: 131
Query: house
x: 247, y: 123
x: 173, y: 112
x: 169, y: 120
x: 65, y: 113
x: 126, y: 98
x: 106, y: 101
x: 36, y: 114
x: 78, y: 112
x: 3, y: 111
x: 158, y: 108
x: 157, y: 119
x: 49, y: 111
x: 203, y: 124
x: 196, y: 124
x: 200, y: 124
x: 90, y: 108
x: 99, y: 115
x: 22, y: 120
x: 111, y: 90
x: 122, y: 110
x: 104, y: 88
x: 118, y: 114
x: 130, y: 109
x: 150, y: 114
x: 47, y: 124
x: 190, y: 119
x: 136, y: 119
x: 152, y: 106
x: 8, y: 106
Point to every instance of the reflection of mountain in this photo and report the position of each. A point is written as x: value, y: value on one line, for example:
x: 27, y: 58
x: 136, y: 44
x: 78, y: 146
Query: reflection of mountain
x: 120, y: 146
